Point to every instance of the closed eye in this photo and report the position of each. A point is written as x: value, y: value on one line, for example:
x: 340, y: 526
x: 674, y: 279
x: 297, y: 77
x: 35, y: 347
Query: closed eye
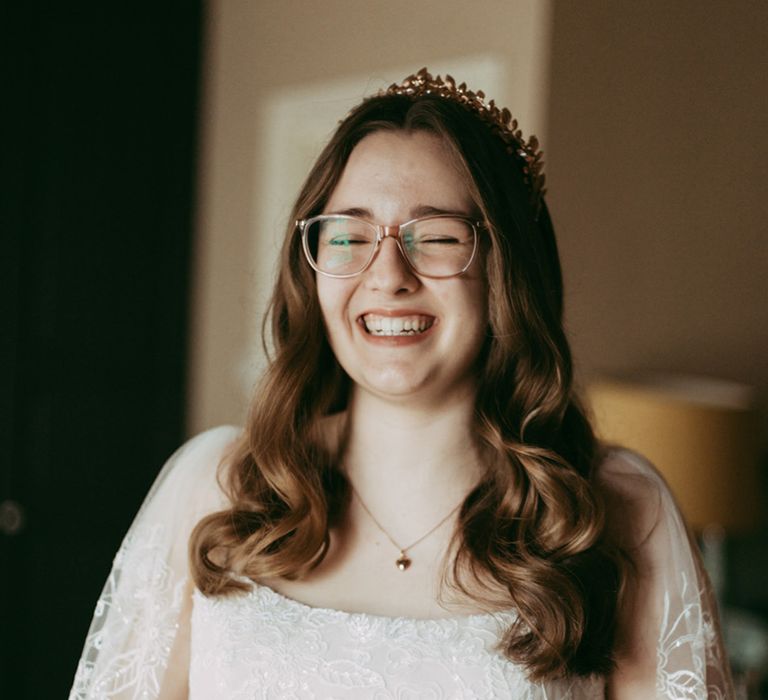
x: 444, y: 240
x: 346, y: 241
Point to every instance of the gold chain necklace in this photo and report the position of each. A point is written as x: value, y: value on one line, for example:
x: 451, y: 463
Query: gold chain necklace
x: 403, y: 561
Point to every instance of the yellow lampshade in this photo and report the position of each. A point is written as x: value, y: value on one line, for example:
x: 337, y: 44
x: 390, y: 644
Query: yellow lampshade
x: 702, y: 435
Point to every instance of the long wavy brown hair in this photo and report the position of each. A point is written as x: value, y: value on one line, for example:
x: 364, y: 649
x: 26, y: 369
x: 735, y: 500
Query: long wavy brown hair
x: 534, y: 527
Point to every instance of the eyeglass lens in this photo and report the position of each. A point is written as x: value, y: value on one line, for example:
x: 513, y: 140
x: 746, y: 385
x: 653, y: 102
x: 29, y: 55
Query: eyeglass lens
x: 440, y: 246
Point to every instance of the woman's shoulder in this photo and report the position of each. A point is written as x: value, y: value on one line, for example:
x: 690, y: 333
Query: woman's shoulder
x: 200, y: 457
x: 190, y: 479
x: 636, y: 496
x: 206, y: 448
x: 617, y: 463
x: 667, y: 634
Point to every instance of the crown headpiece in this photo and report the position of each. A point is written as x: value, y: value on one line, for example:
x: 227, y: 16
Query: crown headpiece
x: 500, y: 121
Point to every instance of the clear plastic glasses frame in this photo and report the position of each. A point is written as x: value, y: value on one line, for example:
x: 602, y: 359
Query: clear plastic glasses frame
x: 382, y: 232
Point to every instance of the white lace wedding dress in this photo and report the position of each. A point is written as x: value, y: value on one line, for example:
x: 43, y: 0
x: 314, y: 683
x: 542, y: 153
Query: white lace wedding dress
x: 153, y: 633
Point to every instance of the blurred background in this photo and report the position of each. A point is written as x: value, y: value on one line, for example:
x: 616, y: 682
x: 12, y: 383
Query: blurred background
x: 150, y: 160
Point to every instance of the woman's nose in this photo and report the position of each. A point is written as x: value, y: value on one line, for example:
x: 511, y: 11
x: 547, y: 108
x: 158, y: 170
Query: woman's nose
x: 389, y: 270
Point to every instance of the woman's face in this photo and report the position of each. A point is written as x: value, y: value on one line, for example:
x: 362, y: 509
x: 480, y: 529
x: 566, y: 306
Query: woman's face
x: 391, y: 178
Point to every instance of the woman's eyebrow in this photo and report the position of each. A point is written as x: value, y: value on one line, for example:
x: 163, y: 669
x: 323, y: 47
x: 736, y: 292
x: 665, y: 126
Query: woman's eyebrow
x: 415, y: 213
x: 358, y: 212
x: 428, y: 210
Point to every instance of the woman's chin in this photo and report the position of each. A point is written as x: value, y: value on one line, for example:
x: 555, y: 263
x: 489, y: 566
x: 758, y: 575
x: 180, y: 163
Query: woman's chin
x: 413, y: 388
x: 394, y: 385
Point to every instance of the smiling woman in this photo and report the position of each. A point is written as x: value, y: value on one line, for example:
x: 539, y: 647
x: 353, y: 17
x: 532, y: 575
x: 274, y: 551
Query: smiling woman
x: 417, y: 505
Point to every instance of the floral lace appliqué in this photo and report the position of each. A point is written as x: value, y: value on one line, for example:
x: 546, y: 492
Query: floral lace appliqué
x: 134, y: 633
x: 688, y: 653
x: 263, y: 645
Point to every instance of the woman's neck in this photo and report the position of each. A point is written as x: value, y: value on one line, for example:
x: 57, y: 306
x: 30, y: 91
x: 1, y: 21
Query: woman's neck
x: 409, y: 464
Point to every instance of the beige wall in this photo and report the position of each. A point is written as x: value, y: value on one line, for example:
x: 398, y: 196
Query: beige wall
x: 653, y: 118
x: 658, y: 174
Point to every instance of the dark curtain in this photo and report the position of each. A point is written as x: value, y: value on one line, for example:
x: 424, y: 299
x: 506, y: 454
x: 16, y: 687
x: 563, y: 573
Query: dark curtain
x: 98, y: 169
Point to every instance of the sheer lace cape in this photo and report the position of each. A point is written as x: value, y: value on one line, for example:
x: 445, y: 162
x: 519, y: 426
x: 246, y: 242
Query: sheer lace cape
x: 138, y: 642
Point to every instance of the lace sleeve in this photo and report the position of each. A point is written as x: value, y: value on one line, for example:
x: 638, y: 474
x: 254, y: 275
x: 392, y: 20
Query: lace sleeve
x: 669, y: 644
x: 135, y: 646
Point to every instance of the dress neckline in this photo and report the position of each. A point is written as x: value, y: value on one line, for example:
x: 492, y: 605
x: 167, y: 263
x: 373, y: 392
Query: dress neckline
x: 260, y: 591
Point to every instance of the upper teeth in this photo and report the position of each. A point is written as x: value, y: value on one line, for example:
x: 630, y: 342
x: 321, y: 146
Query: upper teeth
x: 396, y: 325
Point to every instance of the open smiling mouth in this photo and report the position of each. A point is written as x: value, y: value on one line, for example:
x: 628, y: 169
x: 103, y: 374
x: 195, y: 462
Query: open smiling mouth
x: 397, y: 325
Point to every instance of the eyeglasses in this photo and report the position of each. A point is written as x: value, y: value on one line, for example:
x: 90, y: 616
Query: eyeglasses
x: 337, y: 245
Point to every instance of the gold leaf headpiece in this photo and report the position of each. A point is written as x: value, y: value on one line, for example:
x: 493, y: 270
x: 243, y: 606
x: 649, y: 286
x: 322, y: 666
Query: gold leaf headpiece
x: 500, y: 122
